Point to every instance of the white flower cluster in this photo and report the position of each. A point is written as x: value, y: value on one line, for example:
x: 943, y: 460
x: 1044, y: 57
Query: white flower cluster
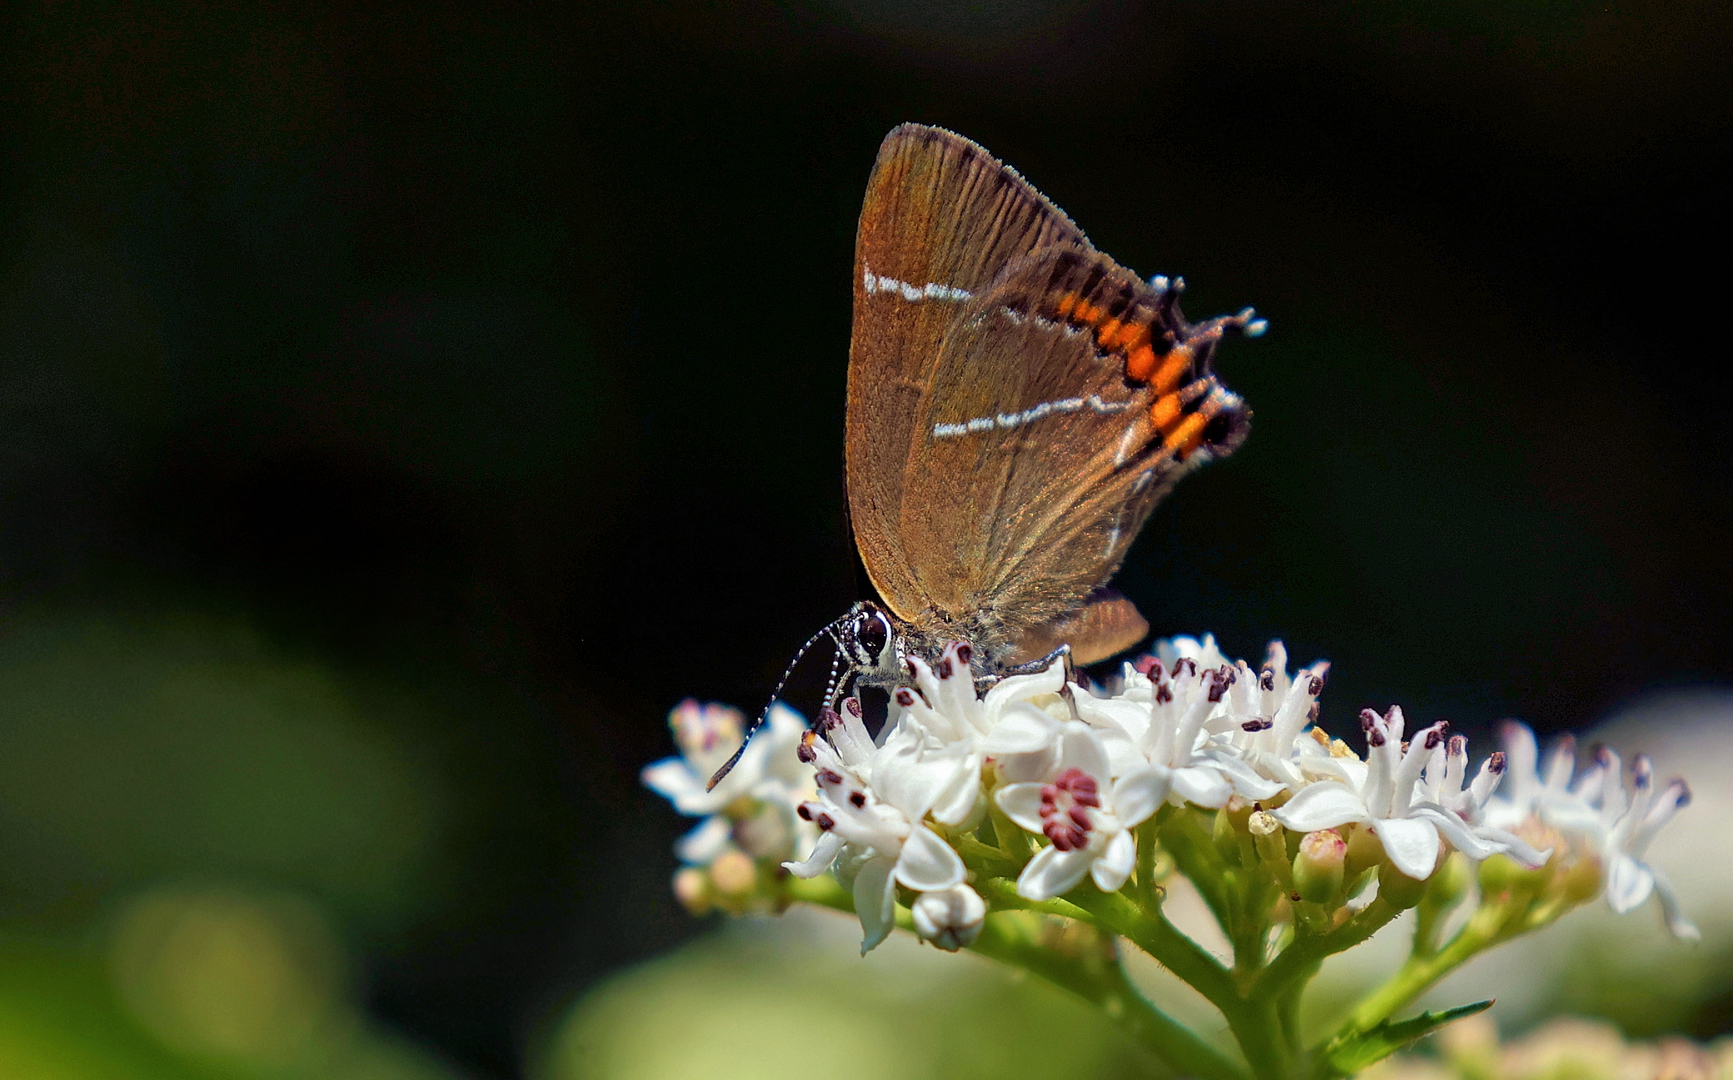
x: 1592, y: 810
x: 1185, y: 728
x: 1079, y: 770
x: 750, y: 817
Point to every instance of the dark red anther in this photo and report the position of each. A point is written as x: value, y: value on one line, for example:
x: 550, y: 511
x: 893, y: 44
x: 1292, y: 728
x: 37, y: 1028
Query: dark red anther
x: 825, y: 822
x: 1368, y: 719
x: 946, y: 669
x: 1147, y: 664
x: 1496, y: 762
x: 830, y: 776
x: 1266, y: 680
x: 857, y: 799
x: 852, y: 704
x: 805, y: 811
x: 905, y: 697
x: 965, y: 654
x: 1374, y: 738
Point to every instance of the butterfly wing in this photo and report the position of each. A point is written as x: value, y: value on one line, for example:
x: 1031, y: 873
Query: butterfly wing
x: 1061, y: 404
x: 941, y: 222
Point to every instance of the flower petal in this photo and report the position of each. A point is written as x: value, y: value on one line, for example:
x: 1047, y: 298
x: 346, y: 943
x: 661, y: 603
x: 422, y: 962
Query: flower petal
x: 823, y: 854
x: 1682, y: 928
x: 1323, y: 805
x: 1136, y: 795
x: 1114, y: 867
x: 875, y: 901
x: 1080, y: 748
x: 1022, y: 804
x: 1411, y: 844
x: 673, y: 779
x: 1022, y: 729
x: 928, y: 864
x: 1200, y: 785
x: 1245, y: 779
x: 1477, y: 844
x: 1628, y: 882
x: 1053, y: 873
x: 957, y: 800
x: 701, y: 846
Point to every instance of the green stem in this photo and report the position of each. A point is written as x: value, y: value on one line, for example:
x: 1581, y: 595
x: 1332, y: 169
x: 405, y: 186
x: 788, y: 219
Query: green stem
x: 1007, y: 938
x: 1295, y: 963
x: 1151, y: 932
x: 1015, y: 939
x: 1410, y: 981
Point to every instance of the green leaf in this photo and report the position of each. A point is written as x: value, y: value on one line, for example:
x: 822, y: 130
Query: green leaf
x: 1352, y: 1051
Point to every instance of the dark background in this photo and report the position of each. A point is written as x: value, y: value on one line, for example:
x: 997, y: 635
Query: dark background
x: 494, y: 356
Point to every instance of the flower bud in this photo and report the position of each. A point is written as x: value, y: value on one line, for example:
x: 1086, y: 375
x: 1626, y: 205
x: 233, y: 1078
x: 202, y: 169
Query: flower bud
x: 734, y: 873
x: 1268, y: 838
x: 1318, y: 866
x: 1398, y: 889
x: 692, y: 889
x: 1581, y: 880
x: 1448, y: 883
x: 950, y: 919
x: 765, y: 832
x: 1365, y: 850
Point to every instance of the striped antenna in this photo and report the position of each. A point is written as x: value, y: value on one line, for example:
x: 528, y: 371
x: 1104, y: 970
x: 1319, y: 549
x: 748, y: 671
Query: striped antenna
x: 775, y: 695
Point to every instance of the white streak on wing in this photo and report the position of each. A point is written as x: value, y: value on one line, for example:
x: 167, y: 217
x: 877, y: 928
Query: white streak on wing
x: 1112, y: 539
x: 932, y: 290
x: 1008, y: 421
x: 1127, y: 443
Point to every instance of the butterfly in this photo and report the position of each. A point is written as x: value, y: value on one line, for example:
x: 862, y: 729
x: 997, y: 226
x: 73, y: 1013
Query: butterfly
x: 1018, y: 402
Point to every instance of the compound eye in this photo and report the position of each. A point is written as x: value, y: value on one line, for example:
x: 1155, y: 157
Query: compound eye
x: 873, y: 633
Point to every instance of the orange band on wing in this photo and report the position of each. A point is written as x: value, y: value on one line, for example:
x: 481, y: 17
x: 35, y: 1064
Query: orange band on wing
x: 1185, y: 438
x: 1173, y: 366
x: 1165, y: 411
x: 1140, y: 364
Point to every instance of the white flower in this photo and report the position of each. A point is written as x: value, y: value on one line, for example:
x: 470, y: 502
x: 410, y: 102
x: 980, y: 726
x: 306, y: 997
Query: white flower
x: 708, y: 735
x: 950, y: 919
x: 1593, y: 808
x: 1629, y: 828
x: 1550, y: 793
x: 770, y: 773
x: 1385, y: 800
x: 1087, y: 816
x: 942, y: 719
x: 869, y: 811
x: 1266, y: 718
x: 1157, y: 721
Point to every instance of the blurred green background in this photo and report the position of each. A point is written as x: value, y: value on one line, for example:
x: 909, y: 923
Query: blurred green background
x: 402, y: 406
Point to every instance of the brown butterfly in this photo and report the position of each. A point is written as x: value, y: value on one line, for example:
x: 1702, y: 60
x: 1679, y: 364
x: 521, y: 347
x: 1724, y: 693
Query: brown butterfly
x: 1017, y: 404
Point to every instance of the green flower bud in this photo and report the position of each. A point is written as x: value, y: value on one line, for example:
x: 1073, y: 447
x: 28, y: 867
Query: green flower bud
x: 1319, y: 866
x: 1398, y: 889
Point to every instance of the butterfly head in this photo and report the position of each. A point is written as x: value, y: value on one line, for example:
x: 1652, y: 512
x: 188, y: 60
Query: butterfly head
x: 866, y: 638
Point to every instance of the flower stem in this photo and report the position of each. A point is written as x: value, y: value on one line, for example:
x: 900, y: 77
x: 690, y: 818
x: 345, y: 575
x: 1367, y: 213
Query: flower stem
x: 1014, y: 938
x: 1010, y: 938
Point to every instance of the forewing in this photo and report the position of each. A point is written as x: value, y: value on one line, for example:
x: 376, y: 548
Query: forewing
x: 1064, y: 402
x: 941, y: 222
